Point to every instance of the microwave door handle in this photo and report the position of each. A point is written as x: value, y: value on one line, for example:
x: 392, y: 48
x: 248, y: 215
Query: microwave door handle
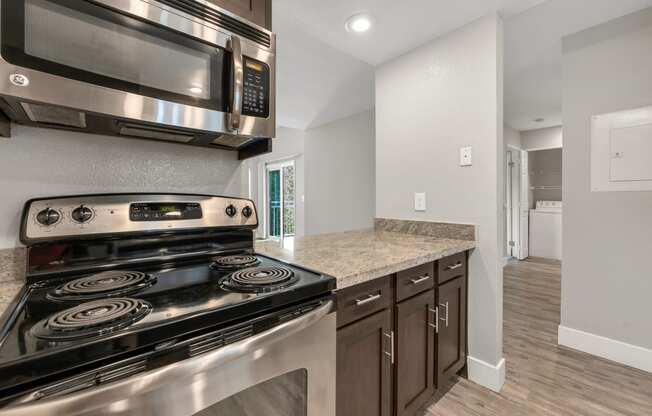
x: 238, y: 83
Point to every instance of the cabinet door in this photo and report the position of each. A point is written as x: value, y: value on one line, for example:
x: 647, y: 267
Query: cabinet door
x: 256, y: 11
x: 415, y: 352
x: 364, y: 366
x: 451, y: 337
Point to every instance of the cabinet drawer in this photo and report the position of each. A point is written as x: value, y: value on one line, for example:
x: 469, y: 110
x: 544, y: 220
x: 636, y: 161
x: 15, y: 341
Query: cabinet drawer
x: 361, y: 300
x: 413, y: 281
x: 452, y: 267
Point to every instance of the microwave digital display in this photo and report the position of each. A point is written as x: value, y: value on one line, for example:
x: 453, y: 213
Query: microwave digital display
x: 256, y: 66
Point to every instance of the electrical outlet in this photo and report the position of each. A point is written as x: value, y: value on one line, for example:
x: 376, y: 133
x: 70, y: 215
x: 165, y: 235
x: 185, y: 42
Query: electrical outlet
x: 419, y: 201
x: 466, y: 156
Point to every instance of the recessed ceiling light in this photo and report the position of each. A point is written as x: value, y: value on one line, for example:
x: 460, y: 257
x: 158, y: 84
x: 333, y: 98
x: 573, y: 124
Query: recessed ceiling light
x: 196, y: 90
x: 358, y: 23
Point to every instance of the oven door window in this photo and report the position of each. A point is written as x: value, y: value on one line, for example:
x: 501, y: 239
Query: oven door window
x: 86, y: 42
x: 285, y: 395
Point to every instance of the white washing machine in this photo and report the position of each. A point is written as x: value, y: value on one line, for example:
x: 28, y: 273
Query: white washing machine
x: 545, y: 230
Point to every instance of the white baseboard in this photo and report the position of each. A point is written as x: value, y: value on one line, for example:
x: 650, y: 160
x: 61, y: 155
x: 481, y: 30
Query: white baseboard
x: 485, y: 374
x: 620, y: 352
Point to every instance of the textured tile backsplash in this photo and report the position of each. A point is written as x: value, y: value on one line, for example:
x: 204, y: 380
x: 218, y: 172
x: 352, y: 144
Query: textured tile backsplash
x: 12, y: 264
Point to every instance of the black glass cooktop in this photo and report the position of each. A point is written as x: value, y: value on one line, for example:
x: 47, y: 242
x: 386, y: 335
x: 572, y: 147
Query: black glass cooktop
x: 85, y: 319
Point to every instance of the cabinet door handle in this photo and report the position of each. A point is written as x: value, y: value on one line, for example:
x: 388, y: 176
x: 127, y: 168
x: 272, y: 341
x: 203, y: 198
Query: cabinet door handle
x: 368, y: 299
x: 455, y: 266
x: 445, y: 318
x: 390, y: 354
x: 436, y: 324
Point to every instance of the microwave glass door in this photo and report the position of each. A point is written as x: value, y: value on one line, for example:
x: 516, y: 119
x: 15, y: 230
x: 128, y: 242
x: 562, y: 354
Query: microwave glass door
x: 83, y: 41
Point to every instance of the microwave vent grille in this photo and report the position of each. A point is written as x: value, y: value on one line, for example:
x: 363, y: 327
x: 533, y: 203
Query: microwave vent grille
x: 220, y: 19
x: 50, y: 114
x: 230, y: 140
x: 151, y: 132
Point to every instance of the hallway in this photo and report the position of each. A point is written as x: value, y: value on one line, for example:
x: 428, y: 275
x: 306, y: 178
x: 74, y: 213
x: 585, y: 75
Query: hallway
x: 543, y: 378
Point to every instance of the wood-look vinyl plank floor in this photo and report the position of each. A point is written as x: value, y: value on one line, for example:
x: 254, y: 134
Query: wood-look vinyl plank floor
x: 543, y: 378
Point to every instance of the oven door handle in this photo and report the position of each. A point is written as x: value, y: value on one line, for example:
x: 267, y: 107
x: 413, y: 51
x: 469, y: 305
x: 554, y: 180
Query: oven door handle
x: 130, y: 394
x: 238, y: 83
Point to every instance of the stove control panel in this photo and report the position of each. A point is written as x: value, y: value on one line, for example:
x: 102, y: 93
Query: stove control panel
x: 162, y: 211
x: 51, y: 219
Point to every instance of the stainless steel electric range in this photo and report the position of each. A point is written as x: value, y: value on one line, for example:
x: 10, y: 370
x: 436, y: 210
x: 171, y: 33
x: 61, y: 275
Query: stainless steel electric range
x: 153, y: 304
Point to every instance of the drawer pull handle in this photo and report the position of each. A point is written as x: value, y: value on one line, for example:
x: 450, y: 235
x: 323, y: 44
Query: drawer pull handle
x: 368, y: 299
x: 420, y: 279
x: 455, y: 266
x: 436, y: 324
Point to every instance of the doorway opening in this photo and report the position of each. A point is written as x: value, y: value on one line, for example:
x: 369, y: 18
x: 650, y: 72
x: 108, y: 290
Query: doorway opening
x: 545, y: 203
x: 516, y: 203
x: 280, y: 202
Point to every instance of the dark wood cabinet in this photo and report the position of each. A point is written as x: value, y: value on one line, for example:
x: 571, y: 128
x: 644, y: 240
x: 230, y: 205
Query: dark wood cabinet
x: 364, y: 367
x: 256, y: 11
x: 414, y: 352
x: 400, y: 338
x: 363, y: 300
x: 451, y: 336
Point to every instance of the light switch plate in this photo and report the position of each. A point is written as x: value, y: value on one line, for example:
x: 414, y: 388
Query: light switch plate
x: 466, y: 156
x: 419, y: 201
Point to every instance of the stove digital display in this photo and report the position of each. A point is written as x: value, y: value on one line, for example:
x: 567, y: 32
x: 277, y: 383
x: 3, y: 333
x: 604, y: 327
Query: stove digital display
x: 161, y: 211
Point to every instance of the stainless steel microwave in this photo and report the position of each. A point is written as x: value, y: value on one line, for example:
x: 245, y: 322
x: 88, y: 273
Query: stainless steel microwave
x: 176, y: 70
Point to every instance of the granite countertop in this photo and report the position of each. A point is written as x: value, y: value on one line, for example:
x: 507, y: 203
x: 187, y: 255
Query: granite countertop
x: 359, y: 256
x: 350, y: 257
x: 12, y: 275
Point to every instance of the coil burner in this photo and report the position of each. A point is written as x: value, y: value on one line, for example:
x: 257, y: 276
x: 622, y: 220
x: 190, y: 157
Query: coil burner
x: 91, y: 319
x: 235, y: 262
x: 103, y: 285
x: 259, y: 279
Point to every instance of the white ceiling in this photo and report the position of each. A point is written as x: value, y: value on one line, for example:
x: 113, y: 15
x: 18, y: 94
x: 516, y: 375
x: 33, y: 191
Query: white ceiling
x: 326, y: 73
x: 398, y: 25
x: 533, y: 68
x: 316, y: 83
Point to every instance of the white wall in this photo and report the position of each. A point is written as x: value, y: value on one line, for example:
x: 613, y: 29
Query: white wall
x: 334, y: 171
x: 38, y: 162
x: 429, y: 103
x: 606, y: 279
x: 548, y: 138
x: 340, y: 174
x: 512, y: 137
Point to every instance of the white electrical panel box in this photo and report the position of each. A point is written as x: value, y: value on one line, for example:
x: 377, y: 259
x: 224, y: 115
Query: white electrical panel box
x: 621, y: 151
x: 631, y: 153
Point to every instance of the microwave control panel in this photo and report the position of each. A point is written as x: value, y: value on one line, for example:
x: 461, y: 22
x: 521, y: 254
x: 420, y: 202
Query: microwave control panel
x: 256, y: 88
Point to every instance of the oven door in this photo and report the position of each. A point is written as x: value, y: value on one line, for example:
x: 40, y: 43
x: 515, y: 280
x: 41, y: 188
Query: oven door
x: 138, y: 60
x: 288, y: 370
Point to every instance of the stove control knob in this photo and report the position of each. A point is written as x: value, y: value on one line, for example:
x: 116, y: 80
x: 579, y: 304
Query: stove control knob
x: 82, y: 214
x: 247, y: 211
x: 230, y: 211
x: 48, y: 217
